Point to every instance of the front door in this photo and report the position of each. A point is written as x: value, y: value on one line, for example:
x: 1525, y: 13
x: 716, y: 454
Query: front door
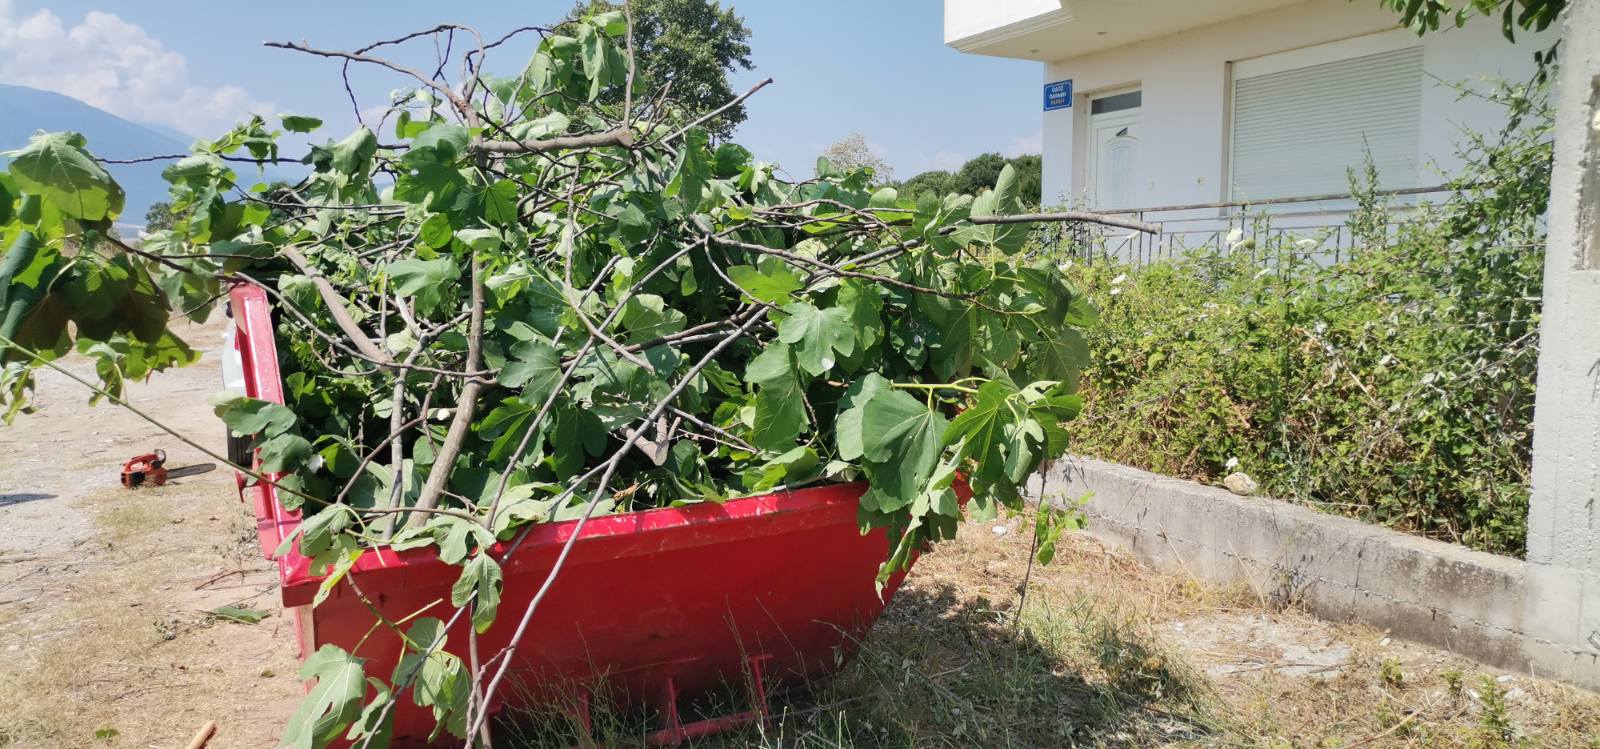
x: 1113, y: 166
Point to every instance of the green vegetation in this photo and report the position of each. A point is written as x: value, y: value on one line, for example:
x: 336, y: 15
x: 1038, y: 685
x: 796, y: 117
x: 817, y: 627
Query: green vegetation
x: 539, y: 299
x: 1397, y: 387
x: 1423, y: 16
x: 691, y: 44
x: 976, y: 175
x: 1108, y: 653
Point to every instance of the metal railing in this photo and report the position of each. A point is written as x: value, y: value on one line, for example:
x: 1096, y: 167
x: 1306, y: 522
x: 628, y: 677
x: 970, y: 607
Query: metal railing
x: 1323, y: 219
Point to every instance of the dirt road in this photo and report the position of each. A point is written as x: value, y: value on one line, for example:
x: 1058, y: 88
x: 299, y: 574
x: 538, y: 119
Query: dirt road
x: 105, y: 592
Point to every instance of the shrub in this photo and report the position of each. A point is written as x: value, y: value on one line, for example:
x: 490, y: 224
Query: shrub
x: 1396, y: 387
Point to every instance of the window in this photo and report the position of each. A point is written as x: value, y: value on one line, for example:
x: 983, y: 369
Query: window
x: 1302, y: 118
x: 1116, y: 102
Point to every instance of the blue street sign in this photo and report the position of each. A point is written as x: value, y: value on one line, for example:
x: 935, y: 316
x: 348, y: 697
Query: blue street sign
x: 1057, y: 95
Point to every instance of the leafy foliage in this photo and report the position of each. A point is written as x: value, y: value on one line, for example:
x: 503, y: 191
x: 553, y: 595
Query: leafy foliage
x: 1397, y: 386
x: 1423, y: 16
x: 693, y: 44
x: 546, y: 297
x: 978, y: 174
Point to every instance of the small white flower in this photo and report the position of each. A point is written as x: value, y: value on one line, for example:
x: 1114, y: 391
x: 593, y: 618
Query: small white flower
x: 1307, y: 243
x: 1119, y: 279
x: 1116, y: 290
x: 1235, y: 235
x: 1232, y: 463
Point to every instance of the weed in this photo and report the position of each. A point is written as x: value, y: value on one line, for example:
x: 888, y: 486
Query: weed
x: 1495, y: 728
x: 1453, y: 678
x: 1390, y: 672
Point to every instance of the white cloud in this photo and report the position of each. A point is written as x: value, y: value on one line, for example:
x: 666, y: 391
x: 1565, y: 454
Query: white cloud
x: 1026, y: 144
x: 116, y: 66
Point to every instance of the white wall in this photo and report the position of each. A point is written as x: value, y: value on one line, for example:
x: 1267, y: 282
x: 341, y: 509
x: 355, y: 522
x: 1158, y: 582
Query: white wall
x: 1185, y: 79
x: 973, y: 17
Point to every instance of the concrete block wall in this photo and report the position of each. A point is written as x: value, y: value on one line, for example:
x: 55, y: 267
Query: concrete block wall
x: 1480, y: 605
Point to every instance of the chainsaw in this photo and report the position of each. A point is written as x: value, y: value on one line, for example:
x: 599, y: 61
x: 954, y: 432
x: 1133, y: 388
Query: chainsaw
x: 151, y: 469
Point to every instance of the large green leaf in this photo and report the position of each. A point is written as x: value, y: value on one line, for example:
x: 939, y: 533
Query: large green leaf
x: 247, y: 416
x: 647, y: 317
x: 440, y: 679
x: 816, y: 335
x: 284, y: 452
x: 535, y: 366
x: 847, y: 429
x: 27, y: 315
x: 352, y: 156
x: 56, y: 167
x: 1001, y: 201
x: 295, y: 123
x: 902, y: 438
x: 480, y: 583
x: 426, y: 280
x: 780, y: 410
x: 333, y: 702
x: 986, y: 431
x: 773, y: 283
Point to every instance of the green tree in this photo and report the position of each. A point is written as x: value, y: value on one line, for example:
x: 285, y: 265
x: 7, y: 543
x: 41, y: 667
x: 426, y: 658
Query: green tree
x: 978, y: 168
x: 1423, y: 16
x: 159, y: 216
x: 1030, y: 177
x: 691, y: 44
x: 938, y: 183
x: 978, y: 174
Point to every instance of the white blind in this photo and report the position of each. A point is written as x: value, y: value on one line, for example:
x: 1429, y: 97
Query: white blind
x: 1296, y: 131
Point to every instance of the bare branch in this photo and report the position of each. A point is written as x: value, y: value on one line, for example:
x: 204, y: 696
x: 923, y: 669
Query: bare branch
x: 466, y: 407
x: 618, y: 136
x: 337, y: 311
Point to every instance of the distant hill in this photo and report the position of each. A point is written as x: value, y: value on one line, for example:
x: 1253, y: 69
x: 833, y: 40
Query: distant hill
x: 25, y: 110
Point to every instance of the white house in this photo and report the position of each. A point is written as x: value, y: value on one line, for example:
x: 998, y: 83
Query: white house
x: 1161, y: 103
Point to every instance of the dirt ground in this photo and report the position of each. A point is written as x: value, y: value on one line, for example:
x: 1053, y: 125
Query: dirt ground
x: 107, y: 639
x: 104, y: 592
x: 1144, y: 658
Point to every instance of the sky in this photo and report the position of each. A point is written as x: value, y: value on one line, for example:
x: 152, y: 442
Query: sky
x: 877, y: 67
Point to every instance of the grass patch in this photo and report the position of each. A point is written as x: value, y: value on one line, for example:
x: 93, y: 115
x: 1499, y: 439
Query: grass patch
x: 1108, y: 653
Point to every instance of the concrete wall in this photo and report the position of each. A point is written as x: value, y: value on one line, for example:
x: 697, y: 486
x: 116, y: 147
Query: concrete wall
x: 973, y: 17
x: 1564, y: 522
x: 1185, y: 79
x: 1477, y: 604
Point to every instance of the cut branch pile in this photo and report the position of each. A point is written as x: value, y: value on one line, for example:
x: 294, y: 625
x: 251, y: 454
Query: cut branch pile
x: 554, y: 297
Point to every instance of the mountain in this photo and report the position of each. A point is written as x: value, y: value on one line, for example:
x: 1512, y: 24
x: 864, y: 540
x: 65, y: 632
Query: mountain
x: 25, y: 110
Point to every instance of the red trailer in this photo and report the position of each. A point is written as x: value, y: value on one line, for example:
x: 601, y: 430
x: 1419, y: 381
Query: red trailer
x: 650, y: 607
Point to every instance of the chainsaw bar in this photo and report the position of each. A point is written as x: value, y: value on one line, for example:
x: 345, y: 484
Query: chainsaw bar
x: 194, y: 470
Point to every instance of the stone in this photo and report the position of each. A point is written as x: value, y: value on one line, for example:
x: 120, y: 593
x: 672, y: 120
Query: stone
x: 1240, y: 483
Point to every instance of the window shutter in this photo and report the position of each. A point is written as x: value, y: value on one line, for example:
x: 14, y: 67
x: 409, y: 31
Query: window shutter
x: 1295, y: 132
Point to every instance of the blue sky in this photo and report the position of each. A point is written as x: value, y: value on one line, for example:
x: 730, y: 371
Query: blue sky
x: 878, y: 68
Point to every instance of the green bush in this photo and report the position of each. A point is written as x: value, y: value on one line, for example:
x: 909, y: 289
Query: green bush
x: 1396, y: 387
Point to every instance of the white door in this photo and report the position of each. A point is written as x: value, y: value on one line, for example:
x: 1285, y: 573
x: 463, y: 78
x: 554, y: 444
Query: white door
x: 1113, y: 166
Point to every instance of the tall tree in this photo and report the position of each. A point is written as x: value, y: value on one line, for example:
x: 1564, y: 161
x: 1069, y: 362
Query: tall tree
x: 854, y: 152
x: 159, y: 216
x: 691, y: 44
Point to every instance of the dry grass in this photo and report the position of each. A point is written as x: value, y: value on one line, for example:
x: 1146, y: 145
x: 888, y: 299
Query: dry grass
x: 1108, y: 653
x: 116, y: 648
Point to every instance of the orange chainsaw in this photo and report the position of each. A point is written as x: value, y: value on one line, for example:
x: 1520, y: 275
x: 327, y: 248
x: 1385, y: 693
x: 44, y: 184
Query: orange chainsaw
x: 151, y: 469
